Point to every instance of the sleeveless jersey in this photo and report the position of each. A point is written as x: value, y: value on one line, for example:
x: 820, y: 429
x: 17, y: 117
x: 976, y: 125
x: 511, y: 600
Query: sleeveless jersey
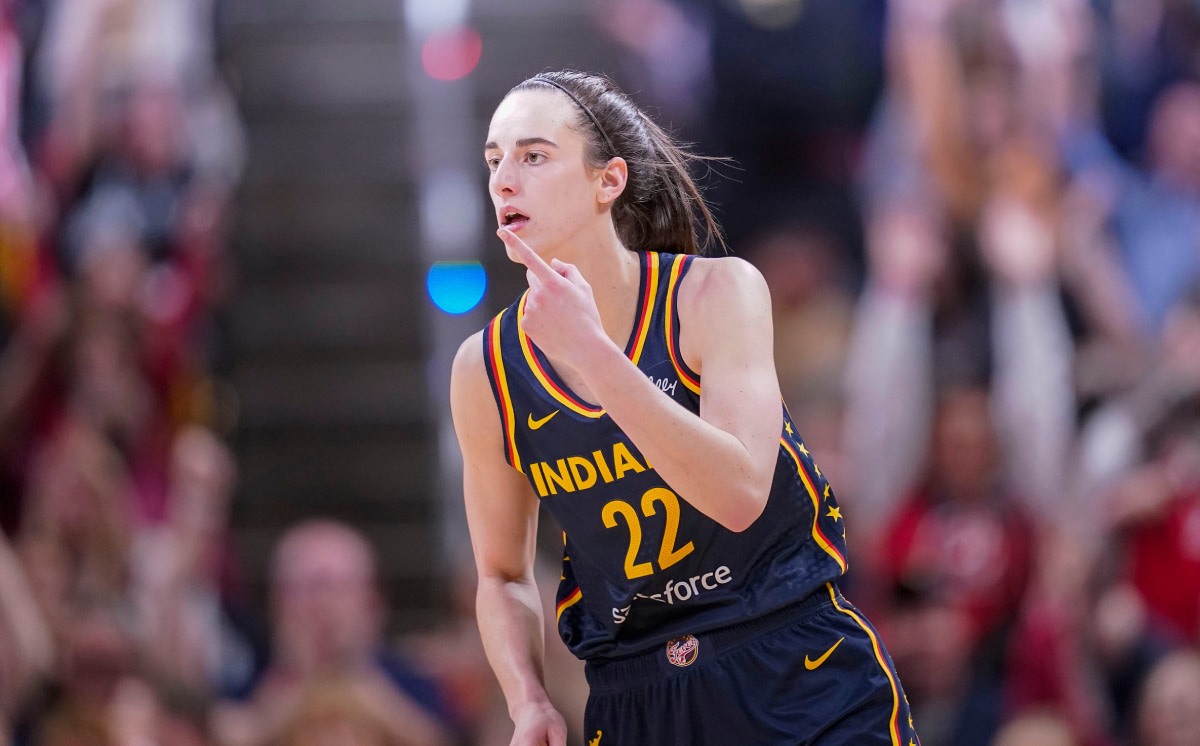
x: 640, y: 565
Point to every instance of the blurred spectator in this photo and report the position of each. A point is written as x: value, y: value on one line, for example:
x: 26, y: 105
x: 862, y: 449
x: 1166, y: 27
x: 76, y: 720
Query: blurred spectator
x: 1072, y: 644
x: 670, y: 51
x: 730, y: 74
x: 111, y: 248
x: 805, y: 268
x: 957, y: 554
x: 337, y: 713
x: 1143, y: 46
x: 76, y: 531
x: 187, y: 632
x: 1157, y: 512
x: 1170, y: 705
x: 327, y: 622
x: 890, y: 373
x: 146, y: 174
x: 1035, y: 730
x: 96, y: 656
x: 1154, y: 217
x: 145, y: 715
x: 101, y: 700
x: 26, y: 647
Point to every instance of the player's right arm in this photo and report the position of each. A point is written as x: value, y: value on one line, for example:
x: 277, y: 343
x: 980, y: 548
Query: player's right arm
x: 502, y: 517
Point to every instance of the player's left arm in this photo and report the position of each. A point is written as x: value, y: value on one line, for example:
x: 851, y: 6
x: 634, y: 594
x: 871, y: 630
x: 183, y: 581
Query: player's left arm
x: 722, y: 461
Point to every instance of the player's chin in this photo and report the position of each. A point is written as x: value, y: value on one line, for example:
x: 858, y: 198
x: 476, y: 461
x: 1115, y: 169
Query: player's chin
x: 533, y: 243
x: 509, y: 252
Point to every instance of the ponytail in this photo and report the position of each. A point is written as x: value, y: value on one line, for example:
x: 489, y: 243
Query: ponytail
x: 661, y: 207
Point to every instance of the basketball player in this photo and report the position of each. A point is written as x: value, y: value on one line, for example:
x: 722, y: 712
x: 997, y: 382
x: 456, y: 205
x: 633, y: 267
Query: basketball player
x: 632, y: 390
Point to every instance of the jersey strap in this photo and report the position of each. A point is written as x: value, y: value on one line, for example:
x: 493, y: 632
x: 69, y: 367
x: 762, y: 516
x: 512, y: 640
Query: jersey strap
x: 638, y: 342
x: 499, y: 381
x: 534, y: 358
x: 679, y: 268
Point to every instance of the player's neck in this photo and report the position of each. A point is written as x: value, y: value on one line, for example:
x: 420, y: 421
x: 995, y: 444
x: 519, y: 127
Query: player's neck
x: 614, y: 274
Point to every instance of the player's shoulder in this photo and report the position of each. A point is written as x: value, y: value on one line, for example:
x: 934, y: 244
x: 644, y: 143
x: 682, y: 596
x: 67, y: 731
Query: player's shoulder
x: 472, y: 406
x: 470, y: 353
x: 715, y: 282
x: 468, y: 372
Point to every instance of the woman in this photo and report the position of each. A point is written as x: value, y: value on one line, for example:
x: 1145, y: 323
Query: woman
x: 701, y: 541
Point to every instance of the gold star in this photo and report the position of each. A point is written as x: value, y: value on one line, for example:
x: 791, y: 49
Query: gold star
x: 803, y: 449
x: 788, y: 426
x: 827, y: 489
x: 835, y: 513
x: 817, y: 469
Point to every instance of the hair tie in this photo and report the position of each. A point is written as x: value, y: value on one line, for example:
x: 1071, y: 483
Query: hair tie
x: 586, y: 110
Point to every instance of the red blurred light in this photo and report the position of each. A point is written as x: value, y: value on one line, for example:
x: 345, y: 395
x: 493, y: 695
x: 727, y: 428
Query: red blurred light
x: 451, y: 54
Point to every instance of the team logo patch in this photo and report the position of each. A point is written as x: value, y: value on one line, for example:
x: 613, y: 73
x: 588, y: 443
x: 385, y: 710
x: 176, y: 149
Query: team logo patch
x: 682, y: 651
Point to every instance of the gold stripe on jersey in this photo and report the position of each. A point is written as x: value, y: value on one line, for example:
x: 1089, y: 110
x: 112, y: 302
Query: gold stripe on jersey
x: 676, y: 270
x: 893, y: 725
x: 567, y: 603
x: 643, y: 326
x: 510, y: 421
x: 817, y: 534
x: 562, y: 397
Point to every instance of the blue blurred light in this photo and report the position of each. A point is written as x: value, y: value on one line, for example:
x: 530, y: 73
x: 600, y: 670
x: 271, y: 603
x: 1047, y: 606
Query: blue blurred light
x: 456, y: 287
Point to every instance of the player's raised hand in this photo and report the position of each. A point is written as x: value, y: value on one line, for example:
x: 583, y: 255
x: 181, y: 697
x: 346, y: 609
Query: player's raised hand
x: 539, y: 725
x: 560, y: 313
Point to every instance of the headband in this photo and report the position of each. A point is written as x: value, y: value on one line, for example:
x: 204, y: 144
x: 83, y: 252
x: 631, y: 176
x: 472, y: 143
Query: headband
x: 586, y: 110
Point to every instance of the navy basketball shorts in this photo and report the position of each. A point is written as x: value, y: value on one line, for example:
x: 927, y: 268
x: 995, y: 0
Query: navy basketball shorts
x: 814, y: 674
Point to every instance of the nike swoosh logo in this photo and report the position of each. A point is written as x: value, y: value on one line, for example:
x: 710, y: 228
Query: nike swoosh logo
x: 812, y: 665
x: 535, y: 424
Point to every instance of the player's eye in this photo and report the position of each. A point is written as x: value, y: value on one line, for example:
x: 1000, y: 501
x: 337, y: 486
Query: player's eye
x: 535, y: 157
x: 493, y: 162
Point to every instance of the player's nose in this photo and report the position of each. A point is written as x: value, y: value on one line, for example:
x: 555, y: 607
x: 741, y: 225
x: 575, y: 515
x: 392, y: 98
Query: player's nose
x: 505, y: 179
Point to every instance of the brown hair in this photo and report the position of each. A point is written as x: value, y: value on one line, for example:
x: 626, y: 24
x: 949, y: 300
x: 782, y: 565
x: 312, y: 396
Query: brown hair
x: 661, y: 206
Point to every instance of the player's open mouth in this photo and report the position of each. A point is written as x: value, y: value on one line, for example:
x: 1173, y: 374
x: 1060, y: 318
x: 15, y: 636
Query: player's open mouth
x: 513, y: 220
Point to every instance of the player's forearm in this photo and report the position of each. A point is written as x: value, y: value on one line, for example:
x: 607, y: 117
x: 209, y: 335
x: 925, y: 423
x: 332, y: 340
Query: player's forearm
x: 510, y: 623
x: 708, y: 467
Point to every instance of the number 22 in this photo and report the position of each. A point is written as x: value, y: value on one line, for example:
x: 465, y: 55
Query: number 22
x: 667, y: 555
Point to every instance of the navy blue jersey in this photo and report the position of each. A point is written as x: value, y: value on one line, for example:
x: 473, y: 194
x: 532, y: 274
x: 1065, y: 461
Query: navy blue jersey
x: 640, y: 565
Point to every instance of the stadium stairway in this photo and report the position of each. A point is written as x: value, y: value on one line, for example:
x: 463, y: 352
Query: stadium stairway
x: 329, y: 318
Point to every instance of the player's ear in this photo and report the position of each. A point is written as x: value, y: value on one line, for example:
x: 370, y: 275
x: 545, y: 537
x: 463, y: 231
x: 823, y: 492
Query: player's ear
x: 613, y: 178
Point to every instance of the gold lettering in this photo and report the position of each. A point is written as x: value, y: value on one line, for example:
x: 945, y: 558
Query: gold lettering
x: 603, y: 467
x: 624, y: 460
x: 582, y: 482
x: 559, y: 475
x: 536, y: 470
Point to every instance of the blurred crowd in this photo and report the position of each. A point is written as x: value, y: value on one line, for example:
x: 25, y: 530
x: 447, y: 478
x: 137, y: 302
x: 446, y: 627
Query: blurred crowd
x: 980, y: 221
x: 987, y: 299
x: 124, y: 618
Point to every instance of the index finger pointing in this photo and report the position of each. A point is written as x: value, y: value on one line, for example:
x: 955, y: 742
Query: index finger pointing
x: 525, y: 255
